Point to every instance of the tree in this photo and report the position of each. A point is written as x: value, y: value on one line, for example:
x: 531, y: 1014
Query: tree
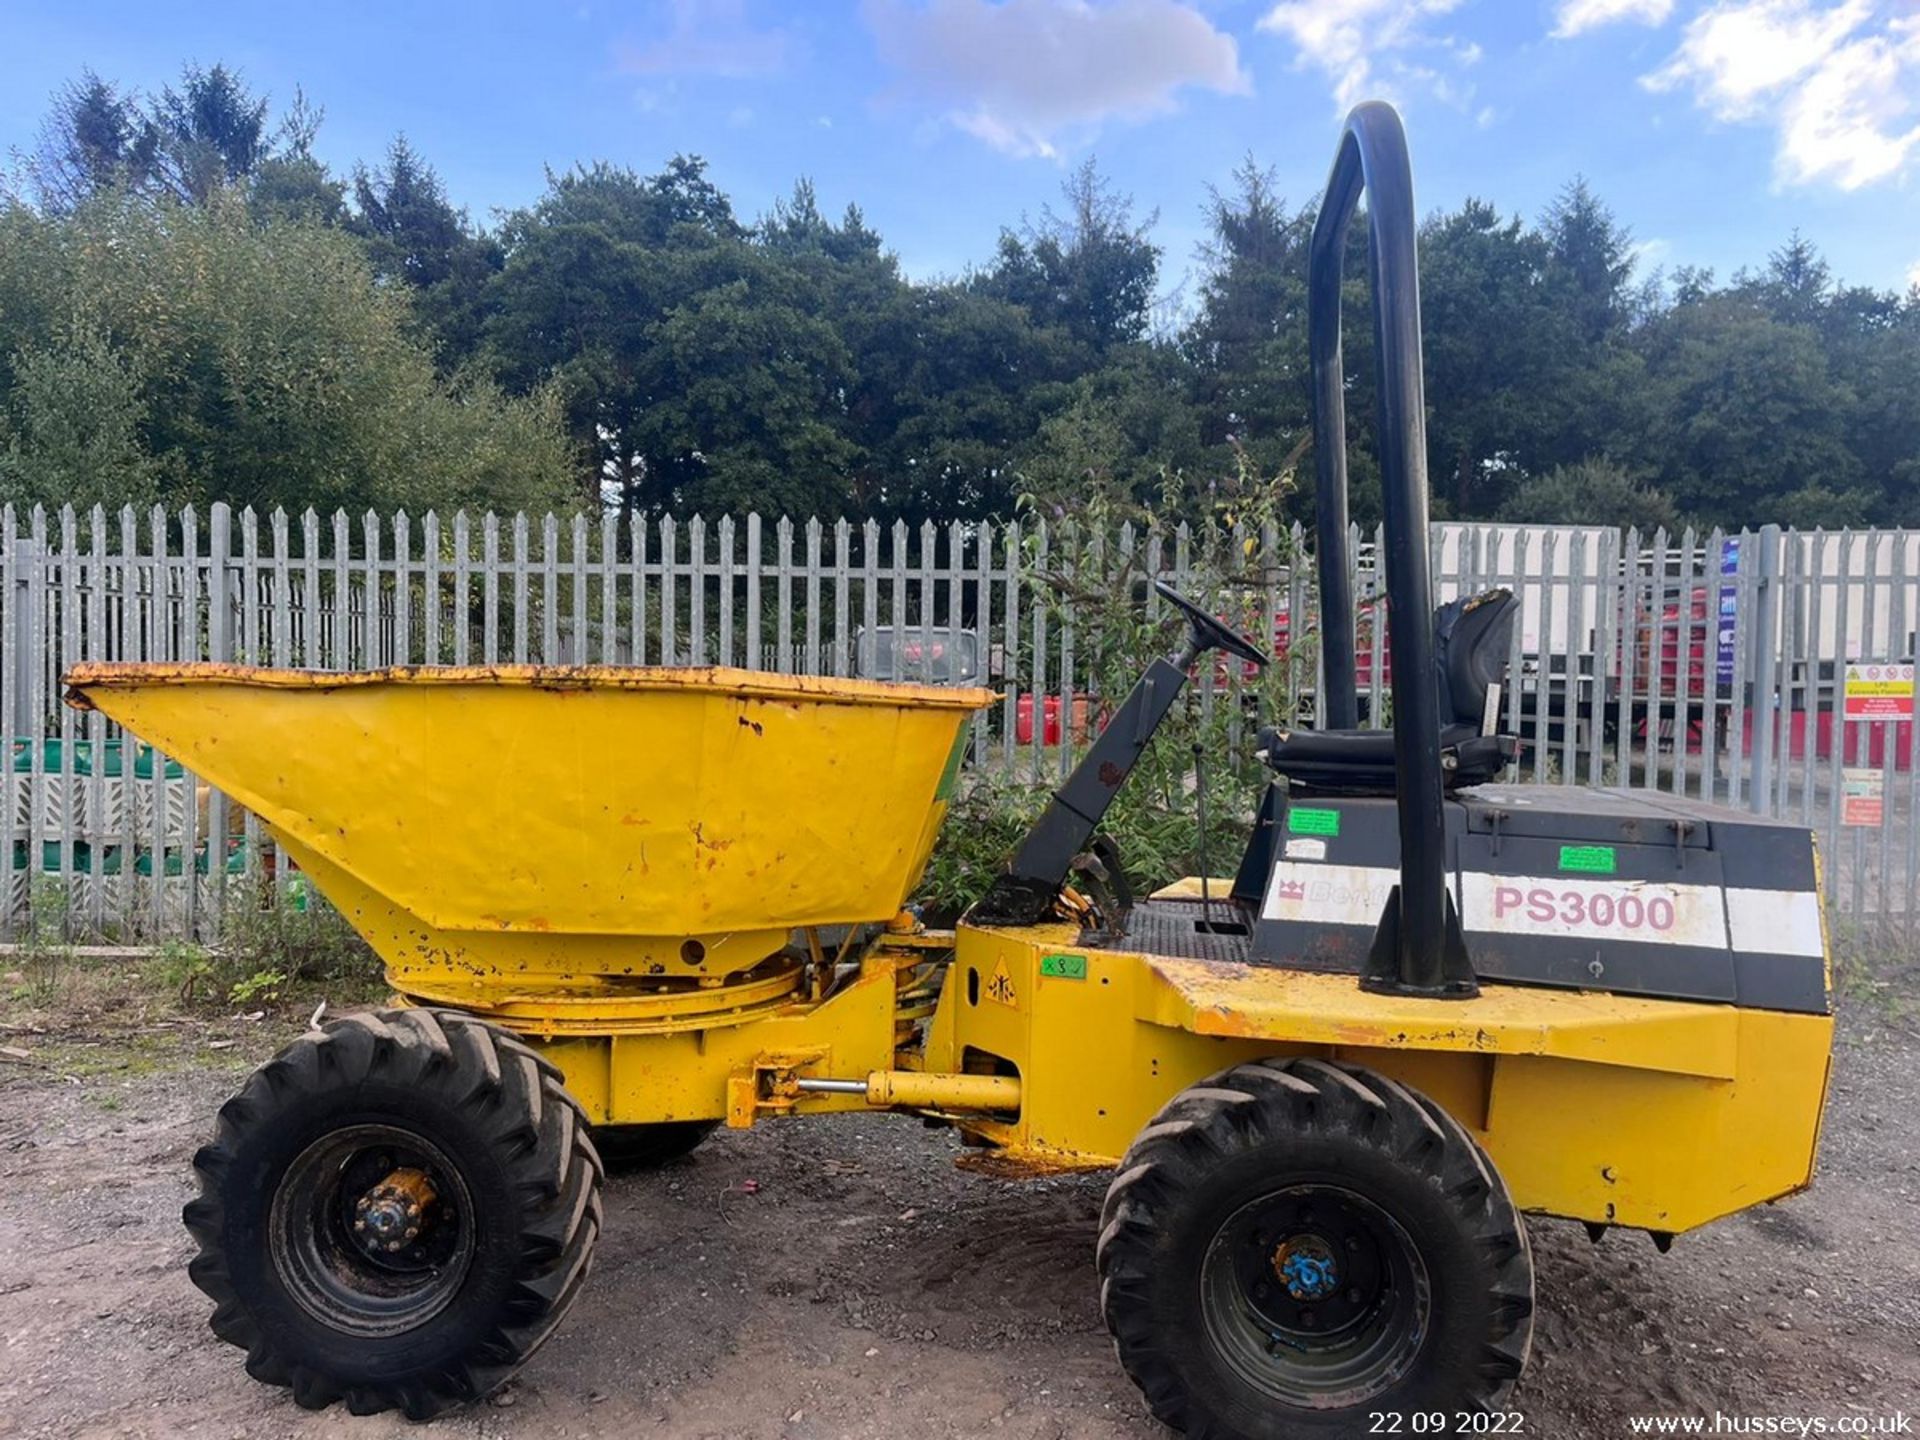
x: 291, y: 182
x: 1498, y: 354
x: 206, y: 134
x: 198, y: 353
x: 590, y: 270
x: 417, y: 239
x: 95, y: 138
x: 1589, y: 492
x: 1247, y: 341
x: 1794, y: 287
x: 212, y: 132
x: 70, y: 431
x: 1747, y: 414
x: 1090, y: 271
x: 1589, y: 260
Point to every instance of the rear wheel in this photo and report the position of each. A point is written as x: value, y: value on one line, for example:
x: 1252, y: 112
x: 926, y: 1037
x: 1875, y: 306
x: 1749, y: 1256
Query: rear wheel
x: 395, y: 1211
x: 1294, y: 1246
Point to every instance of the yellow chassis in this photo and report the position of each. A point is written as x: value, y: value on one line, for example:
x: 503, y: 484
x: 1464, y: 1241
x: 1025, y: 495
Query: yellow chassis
x: 618, y: 893
x: 1656, y: 1114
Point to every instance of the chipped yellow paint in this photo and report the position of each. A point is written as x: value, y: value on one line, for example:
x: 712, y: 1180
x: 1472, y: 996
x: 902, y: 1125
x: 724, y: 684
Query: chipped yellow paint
x: 1656, y: 1113
x: 1259, y: 1001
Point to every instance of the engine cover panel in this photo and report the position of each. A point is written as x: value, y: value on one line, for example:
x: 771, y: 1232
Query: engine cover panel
x: 1609, y: 889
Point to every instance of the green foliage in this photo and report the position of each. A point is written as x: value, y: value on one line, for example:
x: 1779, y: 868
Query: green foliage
x: 71, y: 430
x: 417, y: 239
x: 274, y: 940
x: 262, y: 986
x: 194, y: 307
x: 190, y: 142
x: 1088, y: 273
x: 1238, y: 549
x: 218, y: 356
x: 46, y: 949
x: 184, y: 968
x: 277, y: 944
x: 1574, y: 494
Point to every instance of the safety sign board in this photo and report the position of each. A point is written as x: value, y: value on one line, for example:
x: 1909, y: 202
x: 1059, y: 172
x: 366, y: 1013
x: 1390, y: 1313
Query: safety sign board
x: 1862, y: 797
x: 1879, y: 690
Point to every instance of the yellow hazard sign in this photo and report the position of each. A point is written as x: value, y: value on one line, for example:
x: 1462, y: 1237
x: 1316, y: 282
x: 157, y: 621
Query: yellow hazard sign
x: 1000, y: 984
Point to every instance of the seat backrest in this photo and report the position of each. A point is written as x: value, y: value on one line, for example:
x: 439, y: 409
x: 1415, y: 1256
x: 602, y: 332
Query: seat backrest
x: 1472, y: 636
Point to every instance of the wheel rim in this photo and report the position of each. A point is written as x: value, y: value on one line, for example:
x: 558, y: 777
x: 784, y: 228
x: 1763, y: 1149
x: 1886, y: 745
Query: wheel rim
x: 346, y: 1244
x: 1315, y: 1296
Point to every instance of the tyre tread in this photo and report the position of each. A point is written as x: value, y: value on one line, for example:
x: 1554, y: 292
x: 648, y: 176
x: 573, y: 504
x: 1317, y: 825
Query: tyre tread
x: 1299, y: 1097
x: 541, y: 1133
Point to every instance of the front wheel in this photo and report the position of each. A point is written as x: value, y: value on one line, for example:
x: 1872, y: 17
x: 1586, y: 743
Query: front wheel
x: 396, y: 1210
x: 1293, y: 1246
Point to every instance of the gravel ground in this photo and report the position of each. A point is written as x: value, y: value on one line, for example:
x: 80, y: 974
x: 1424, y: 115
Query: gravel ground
x: 866, y: 1287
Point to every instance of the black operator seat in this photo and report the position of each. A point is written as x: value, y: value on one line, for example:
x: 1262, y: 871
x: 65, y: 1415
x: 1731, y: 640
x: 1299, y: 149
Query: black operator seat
x: 1472, y: 637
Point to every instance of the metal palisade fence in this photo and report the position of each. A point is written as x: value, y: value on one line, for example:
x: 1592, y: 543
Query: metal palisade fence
x: 1767, y: 669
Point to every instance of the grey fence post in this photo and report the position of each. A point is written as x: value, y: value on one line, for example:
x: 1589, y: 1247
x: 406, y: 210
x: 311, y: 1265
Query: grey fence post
x: 1765, y: 667
x: 25, y: 657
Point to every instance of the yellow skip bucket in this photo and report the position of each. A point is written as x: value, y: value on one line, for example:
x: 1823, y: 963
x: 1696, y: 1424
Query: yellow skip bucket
x: 484, y: 825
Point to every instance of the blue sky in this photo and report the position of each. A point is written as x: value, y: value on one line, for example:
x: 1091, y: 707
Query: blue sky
x: 1712, y: 129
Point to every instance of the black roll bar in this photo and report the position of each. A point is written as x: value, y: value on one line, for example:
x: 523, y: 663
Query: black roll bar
x: 1419, y: 948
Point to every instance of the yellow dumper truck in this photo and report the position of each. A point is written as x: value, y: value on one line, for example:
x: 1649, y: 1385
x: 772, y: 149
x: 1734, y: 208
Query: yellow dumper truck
x: 1427, y: 1005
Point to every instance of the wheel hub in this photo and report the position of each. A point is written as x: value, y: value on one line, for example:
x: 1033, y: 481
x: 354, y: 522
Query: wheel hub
x: 1312, y: 1291
x: 1308, y: 1267
x: 390, y: 1216
x: 371, y: 1229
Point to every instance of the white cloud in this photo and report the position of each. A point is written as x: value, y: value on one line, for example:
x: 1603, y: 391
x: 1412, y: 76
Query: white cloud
x: 1913, y: 276
x: 1575, y: 16
x: 1025, y: 74
x: 1650, y: 253
x: 710, y: 37
x: 1840, y: 84
x: 1353, y: 40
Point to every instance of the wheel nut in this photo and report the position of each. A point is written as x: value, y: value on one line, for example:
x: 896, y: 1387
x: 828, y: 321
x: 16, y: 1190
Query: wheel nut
x: 360, y: 1225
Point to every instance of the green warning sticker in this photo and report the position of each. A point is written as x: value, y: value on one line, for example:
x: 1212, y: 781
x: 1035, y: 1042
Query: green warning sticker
x: 1588, y: 859
x: 1064, y: 967
x: 1309, y: 820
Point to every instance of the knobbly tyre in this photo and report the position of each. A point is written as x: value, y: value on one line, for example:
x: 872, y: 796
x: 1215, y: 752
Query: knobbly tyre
x: 1427, y: 1004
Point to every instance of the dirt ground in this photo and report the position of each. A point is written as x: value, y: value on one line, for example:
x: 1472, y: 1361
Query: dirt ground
x: 866, y: 1287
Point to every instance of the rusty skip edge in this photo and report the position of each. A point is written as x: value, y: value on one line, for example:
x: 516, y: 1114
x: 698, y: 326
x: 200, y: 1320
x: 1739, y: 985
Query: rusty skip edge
x: 744, y: 684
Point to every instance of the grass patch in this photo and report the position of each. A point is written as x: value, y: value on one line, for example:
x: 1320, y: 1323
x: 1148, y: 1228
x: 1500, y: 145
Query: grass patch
x: 86, y: 1017
x: 1876, y: 969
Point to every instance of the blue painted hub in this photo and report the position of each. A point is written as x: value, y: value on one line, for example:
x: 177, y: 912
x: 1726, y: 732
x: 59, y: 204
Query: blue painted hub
x: 1307, y: 1265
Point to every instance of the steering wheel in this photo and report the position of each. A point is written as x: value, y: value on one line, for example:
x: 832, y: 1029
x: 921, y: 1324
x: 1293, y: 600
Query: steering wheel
x: 1209, y: 631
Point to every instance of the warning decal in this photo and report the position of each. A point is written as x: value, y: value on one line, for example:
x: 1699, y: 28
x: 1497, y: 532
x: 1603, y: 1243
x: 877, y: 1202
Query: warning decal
x: 999, y: 986
x: 1878, y: 690
x: 1863, y: 797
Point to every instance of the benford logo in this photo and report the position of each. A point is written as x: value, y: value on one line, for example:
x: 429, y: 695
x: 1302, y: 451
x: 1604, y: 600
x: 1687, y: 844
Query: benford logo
x: 1329, y: 894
